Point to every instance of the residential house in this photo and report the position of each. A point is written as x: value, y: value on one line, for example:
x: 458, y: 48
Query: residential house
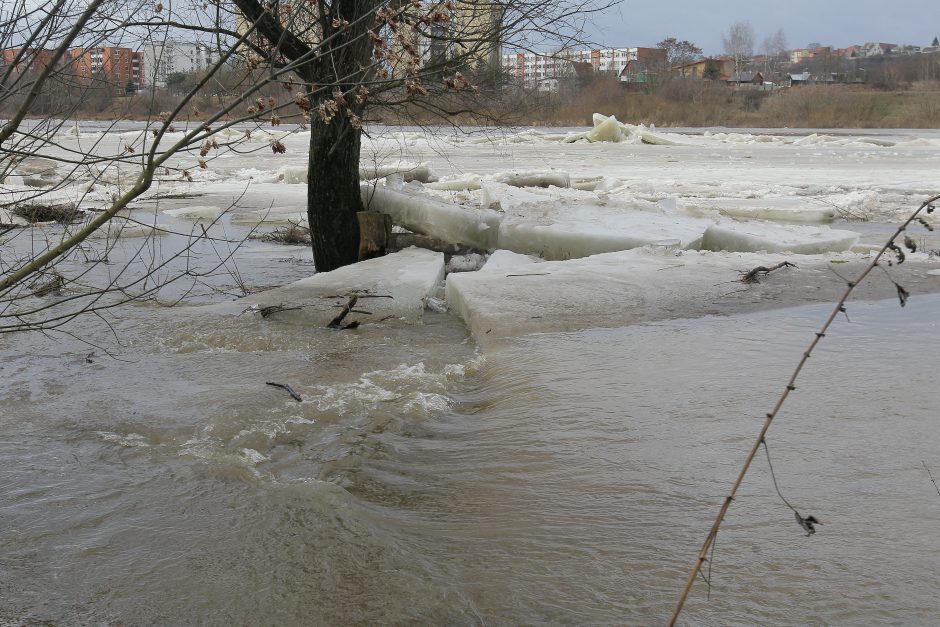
x: 714, y: 69
x: 874, y: 49
x: 746, y: 79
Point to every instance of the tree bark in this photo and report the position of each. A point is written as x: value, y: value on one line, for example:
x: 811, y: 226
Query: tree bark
x: 333, y: 193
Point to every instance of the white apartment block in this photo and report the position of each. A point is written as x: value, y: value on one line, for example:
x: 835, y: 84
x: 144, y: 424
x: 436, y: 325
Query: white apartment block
x: 175, y: 57
x: 543, y: 70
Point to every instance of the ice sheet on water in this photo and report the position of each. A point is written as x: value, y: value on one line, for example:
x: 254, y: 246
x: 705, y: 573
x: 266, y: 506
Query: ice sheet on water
x: 501, y: 196
x: 773, y: 238
x: 395, y: 286
x: 284, y: 215
x: 197, y: 213
x: 568, y: 231
x: 608, y: 290
x: 124, y: 228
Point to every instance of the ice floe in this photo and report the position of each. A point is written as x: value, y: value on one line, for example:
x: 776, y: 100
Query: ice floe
x: 198, y: 213
x: 775, y: 238
x: 396, y: 286
x: 629, y: 287
x: 572, y: 231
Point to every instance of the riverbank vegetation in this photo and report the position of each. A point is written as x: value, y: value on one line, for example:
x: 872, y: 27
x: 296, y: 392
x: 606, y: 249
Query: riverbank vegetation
x: 670, y: 101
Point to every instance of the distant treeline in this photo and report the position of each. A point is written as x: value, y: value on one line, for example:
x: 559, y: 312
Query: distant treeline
x: 897, y: 93
x: 690, y: 102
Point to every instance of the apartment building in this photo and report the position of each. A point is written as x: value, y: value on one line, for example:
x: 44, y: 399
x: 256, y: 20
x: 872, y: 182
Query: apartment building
x: 121, y: 67
x: 164, y: 58
x: 544, y: 70
x: 29, y: 59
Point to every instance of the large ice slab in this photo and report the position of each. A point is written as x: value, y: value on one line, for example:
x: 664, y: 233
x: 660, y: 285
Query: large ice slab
x: 774, y: 238
x: 629, y: 287
x: 437, y: 218
x: 609, y: 290
x: 581, y: 230
x: 395, y: 286
x: 782, y: 209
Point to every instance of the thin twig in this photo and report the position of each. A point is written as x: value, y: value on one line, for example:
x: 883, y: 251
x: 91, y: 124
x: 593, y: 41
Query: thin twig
x: 790, y: 387
x: 931, y: 477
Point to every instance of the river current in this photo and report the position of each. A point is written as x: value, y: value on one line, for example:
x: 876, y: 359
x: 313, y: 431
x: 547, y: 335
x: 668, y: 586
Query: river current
x: 558, y: 478
x: 149, y: 476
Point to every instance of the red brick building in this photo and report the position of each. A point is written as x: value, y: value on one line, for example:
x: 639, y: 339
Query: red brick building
x: 32, y: 59
x: 122, y: 67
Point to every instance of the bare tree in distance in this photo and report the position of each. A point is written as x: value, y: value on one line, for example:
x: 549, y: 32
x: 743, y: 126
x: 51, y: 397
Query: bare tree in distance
x: 679, y: 52
x: 739, y: 44
x: 322, y: 65
x: 775, y: 51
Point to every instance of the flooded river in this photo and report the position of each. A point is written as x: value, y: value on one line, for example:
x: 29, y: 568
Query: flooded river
x: 559, y: 478
x: 149, y: 476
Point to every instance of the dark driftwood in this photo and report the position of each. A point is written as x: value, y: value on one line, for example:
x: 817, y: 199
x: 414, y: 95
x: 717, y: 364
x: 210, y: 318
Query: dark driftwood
x: 754, y: 275
x: 337, y: 322
x: 289, y: 389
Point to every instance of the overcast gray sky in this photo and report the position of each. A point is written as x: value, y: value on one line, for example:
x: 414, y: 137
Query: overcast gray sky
x: 830, y: 22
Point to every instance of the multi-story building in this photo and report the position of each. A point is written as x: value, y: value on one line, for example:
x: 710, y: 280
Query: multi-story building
x: 121, y: 67
x: 31, y: 59
x: 544, y: 70
x: 163, y: 58
x: 469, y: 34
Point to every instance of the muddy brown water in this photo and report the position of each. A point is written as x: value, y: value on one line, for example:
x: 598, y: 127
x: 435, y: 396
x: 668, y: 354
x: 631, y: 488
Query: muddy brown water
x: 557, y: 478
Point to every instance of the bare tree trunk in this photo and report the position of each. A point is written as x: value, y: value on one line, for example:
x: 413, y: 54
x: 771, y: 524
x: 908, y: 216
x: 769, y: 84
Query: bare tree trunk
x: 333, y: 193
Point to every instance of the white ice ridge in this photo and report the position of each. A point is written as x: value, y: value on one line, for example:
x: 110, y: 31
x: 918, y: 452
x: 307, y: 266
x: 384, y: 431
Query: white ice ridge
x: 515, y: 178
x: 409, y: 171
x: 437, y: 218
x: 570, y: 226
x: 297, y: 174
x: 395, y: 286
x: 608, y: 129
x: 782, y: 209
x: 776, y: 238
